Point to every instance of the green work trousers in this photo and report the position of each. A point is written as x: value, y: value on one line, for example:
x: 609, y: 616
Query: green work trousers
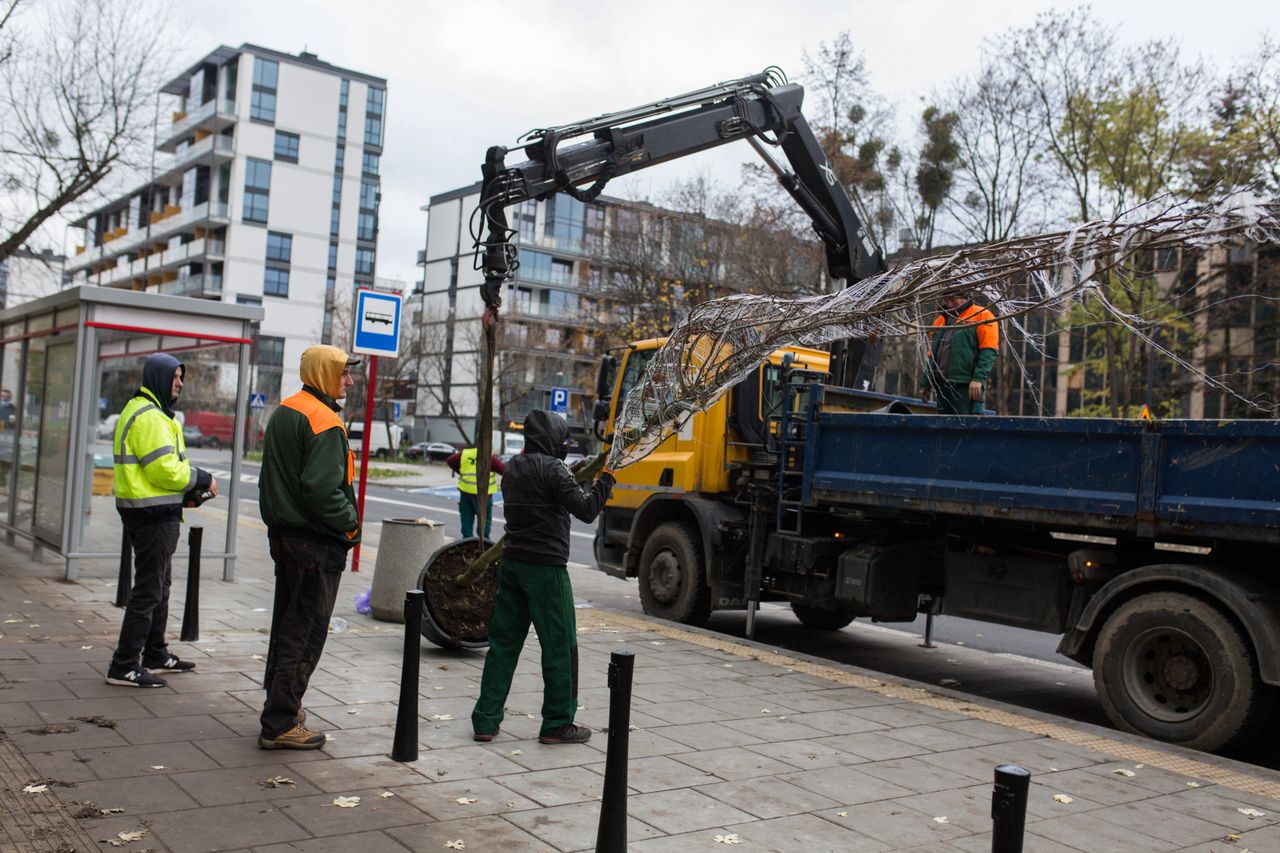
x: 953, y: 399
x: 541, y: 595
x: 469, y: 508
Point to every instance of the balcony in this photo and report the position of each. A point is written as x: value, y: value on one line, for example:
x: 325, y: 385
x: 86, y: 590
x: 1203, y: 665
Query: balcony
x: 211, y: 116
x: 210, y: 151
x: 164, y: 228
x: 200, y: 286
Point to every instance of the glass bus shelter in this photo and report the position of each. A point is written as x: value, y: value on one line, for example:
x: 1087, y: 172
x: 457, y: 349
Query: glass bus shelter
x: 68, y: 363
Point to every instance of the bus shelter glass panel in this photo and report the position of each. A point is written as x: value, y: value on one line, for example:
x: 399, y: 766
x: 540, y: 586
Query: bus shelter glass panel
x: 206, y: 408
x: 55, y: 439
x: 10, y: 385
x: 29, y: 432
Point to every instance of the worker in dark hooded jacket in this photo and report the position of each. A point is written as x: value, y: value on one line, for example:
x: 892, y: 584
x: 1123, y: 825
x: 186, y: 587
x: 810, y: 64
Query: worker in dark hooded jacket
x: 309, y: 506
x: 152, y: 477
x: 539, y: 494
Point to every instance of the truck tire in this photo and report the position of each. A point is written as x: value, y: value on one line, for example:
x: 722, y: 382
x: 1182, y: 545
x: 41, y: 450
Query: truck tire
x: 821, y: 618
x: 673, y: 579
x: 211, y: 442
x: 1174, y: 667
x: 380, y: 453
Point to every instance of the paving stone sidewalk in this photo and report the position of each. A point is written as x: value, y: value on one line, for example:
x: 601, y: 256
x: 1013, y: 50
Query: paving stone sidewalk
x: 734, y: 747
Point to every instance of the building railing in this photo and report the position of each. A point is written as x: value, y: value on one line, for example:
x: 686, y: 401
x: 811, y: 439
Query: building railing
x: 161, y: 229
x: 198, y: 285
x: 184, y: 123
x: 216, y: 143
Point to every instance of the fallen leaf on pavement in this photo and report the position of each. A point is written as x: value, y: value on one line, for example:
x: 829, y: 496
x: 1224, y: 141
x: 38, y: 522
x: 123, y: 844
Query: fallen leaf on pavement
x: 842, y: 814
x: 12, y: 621
x: 1062, y: 798
x: 731, y: 838
x: 455, y: 845
x: 765, y: 711
x: 466, y: 801
x: 346, y: 802
x: 1193, y: 784
x: 123, y: 838
x: 1251, y: 813
x: 1232, y: 838
x: 35, y: 789
x: 275, y: 782
x: 386, y: 795
x: 442, y: 716
x: 257, y: 657
x: 85, y: 648
x: 941, y: 819
x: 517, y: 752
x: 1123, y: 772
x: 157, y: 767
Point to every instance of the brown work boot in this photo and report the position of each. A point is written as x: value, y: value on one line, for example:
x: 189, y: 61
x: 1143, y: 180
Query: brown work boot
x: 298, y: 737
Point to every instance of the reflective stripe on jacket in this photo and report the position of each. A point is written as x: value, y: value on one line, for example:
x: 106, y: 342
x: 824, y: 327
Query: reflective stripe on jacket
x: 150, y: 456
x: 467, y: 481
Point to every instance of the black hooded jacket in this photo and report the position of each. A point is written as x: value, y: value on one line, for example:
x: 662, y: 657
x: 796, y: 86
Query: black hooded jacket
x: 539, y: 493
x: 157, y: 377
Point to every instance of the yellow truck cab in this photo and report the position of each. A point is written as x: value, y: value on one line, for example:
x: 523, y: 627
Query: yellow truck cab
x: 675, y: 517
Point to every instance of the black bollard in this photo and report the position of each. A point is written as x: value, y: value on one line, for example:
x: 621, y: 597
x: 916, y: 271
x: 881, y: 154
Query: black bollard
x: 612, y: 835
x: 1009, y: 808
x: 405, y: 747
x: 126, y: 568
x: 191, y: 611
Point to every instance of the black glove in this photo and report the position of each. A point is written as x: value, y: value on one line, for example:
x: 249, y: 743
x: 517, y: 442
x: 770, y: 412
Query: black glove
x: 195, y: 497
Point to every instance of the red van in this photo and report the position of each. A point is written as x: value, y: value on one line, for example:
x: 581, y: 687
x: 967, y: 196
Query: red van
x: 218, y: 428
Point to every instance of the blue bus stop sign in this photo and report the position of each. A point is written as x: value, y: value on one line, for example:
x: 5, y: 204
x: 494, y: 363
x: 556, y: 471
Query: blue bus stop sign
x: 377, y: 330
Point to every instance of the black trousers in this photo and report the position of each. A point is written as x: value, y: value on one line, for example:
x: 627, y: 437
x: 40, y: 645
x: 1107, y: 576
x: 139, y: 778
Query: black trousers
x: 142, y: 632
x: 307, y: 578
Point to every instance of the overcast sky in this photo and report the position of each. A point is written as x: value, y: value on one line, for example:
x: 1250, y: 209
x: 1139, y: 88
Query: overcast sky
x: 466, y: 75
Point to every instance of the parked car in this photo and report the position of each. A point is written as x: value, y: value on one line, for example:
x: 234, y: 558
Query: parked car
x: 192, y: 436
x: 436, y: 451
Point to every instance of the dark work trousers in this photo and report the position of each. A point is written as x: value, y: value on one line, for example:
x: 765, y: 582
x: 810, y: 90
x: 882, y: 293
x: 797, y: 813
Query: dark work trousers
x: 541, y: 595
x: 307, y: 578
x: 142, y: 632
x: 953, y: 399
x: 469, y: 508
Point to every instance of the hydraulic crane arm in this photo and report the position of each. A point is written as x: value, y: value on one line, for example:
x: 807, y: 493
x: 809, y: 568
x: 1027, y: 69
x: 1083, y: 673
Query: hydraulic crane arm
x: 760, y: 108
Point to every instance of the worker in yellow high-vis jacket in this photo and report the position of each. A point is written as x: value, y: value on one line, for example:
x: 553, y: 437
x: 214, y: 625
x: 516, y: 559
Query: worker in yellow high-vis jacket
x: 464, y: 463
x: 152, y: 479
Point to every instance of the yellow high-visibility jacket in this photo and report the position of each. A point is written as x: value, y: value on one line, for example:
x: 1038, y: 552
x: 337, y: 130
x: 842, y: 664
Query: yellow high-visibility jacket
x: 151, y: 468
x: 467, y: 482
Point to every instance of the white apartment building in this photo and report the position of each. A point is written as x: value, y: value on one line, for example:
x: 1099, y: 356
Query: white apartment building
x: 265, y: 191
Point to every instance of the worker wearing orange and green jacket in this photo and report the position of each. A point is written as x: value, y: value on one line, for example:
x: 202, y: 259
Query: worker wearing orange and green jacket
x: 963, y: 345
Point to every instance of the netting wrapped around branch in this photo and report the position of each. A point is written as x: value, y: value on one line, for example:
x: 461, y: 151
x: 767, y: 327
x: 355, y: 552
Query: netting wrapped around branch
x: 722, y: 341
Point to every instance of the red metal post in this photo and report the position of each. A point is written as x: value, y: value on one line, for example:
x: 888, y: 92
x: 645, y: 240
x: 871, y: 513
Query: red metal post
x: 364, y: 453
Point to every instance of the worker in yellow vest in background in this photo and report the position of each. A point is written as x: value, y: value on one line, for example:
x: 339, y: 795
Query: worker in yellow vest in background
x: 464, y: 464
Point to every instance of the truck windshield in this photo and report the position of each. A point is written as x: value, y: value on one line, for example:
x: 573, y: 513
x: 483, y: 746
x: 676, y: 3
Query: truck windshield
x: 636, y: 362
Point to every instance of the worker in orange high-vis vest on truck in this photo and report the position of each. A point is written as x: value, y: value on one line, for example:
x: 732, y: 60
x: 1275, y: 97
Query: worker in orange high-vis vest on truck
x: 309, y: 506
x: 963, y: 345
x: 465, y: 464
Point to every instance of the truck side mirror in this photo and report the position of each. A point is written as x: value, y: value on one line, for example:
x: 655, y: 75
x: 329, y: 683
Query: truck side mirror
x: 599, y: 414
x: 604, y: 381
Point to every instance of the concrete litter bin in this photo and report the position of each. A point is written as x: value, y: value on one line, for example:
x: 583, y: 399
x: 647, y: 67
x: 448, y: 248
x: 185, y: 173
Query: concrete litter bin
x: 403, y: 549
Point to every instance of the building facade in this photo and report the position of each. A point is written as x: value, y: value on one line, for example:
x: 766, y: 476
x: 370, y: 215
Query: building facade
x: 265, y: 191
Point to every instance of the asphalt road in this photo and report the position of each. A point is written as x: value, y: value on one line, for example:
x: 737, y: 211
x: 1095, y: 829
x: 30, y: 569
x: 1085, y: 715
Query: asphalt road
x: 1010, y: 665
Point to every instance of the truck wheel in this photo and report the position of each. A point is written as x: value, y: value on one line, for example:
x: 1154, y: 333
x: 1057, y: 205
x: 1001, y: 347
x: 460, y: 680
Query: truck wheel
x: 212, y: 442
x: 673, y: 580
x: 821, y: 618
x: 1174, y: 667
x: 380, y: 453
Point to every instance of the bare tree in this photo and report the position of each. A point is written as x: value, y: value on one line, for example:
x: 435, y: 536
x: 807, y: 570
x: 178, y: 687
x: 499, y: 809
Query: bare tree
x: 1001, y: 186
x: 78, y: 95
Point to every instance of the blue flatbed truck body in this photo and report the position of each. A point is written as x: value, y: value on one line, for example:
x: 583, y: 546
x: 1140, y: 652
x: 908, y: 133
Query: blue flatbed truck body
x: 1168, y: 480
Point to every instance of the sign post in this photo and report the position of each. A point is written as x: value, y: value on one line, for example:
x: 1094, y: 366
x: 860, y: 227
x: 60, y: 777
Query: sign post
x: 377, y: 332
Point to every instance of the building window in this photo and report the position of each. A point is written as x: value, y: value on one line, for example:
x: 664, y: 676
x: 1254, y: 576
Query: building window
x: 245, y: 299
x: 339, y: 158
x: 342, y: 110
x: 333, y: 256
x: 343, y: 91
x: 335, y: 220
x: 370, y: 163
x: 368, y: 196
x: 257, y: 186
x: 275, y: 282
x: 373, y: 105
x: 367, y: 227
x: 364, y: 261
x: 262, y: 103
x: 279, y: 247
x: 373, y: 131
x: 286, y: 146
x: 337, y: 189
x: 270, y: 365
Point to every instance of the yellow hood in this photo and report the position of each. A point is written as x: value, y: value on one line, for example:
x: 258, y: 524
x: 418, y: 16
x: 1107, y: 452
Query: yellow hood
x: 322, y: 368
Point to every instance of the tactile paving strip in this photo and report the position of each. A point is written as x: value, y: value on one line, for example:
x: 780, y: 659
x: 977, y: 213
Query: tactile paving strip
x: 1149, y: 756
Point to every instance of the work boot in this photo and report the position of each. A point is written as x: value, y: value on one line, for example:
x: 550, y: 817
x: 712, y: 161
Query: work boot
x: 298, y: 737
x: 485, y: 737
x: 566, y: 734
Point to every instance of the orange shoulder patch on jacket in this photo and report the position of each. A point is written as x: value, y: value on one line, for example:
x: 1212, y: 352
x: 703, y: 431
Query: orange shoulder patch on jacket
x: 988, y: 329
x: 319, y: 416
